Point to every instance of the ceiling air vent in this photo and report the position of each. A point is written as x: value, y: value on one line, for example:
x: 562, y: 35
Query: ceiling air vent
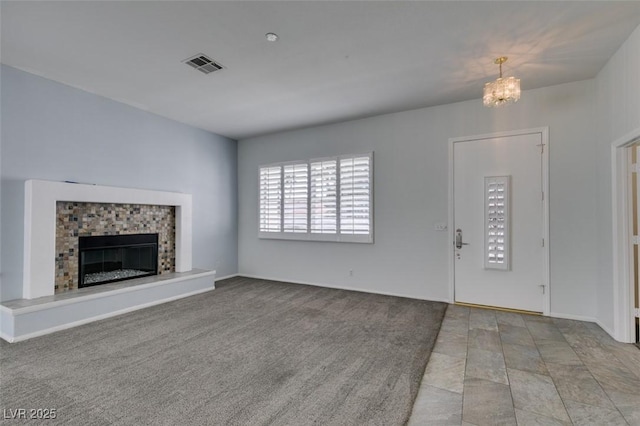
x: 203, y: 63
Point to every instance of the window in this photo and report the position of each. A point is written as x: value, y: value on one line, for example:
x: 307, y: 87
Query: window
x: 326, y: 199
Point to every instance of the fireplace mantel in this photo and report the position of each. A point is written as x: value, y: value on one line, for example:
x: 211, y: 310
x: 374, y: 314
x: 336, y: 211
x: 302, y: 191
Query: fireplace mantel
x: 40, y: 225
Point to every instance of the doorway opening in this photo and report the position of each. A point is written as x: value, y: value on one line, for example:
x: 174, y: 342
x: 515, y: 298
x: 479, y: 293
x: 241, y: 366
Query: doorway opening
x: 625, y: 167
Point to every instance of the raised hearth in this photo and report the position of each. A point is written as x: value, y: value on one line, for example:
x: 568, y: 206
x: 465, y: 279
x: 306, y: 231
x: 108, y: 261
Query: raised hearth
x: 23, y: 319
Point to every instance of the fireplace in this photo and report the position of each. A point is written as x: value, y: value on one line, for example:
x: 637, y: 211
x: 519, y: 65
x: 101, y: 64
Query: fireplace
x: 109, y: 258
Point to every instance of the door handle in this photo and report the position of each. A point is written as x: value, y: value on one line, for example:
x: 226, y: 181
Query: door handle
x: 459, y: 242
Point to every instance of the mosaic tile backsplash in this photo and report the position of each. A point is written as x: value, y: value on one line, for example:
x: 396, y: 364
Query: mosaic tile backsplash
x: 88, y: 219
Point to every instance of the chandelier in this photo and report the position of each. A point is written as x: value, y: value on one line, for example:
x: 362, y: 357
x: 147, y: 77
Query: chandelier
x: 503, y: 90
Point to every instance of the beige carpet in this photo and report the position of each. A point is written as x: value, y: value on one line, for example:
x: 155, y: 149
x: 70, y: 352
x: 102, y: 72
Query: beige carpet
x: 251, y: 352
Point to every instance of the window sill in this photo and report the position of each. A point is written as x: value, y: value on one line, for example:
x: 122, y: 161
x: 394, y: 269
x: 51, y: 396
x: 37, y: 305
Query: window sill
x: 339, y: 238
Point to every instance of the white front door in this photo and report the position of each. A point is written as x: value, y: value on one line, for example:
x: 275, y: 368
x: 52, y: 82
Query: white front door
x: 499, y: 229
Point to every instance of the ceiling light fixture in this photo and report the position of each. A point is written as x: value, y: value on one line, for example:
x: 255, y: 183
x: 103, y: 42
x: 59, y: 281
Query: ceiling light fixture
x: 503, y: 90
x: 271, y: 36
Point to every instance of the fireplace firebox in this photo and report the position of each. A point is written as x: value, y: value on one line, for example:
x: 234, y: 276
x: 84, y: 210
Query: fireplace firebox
x: 109, y: 258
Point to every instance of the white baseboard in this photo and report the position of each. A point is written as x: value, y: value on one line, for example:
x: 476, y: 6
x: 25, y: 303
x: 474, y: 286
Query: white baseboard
x: 337, y: 287
x: 587, y: 319
x: 385, y: 293
x: 608, y: 330
x: 227, y: 277
x: 572, y: 317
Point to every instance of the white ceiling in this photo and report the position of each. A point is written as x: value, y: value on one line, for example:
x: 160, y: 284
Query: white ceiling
x: 335, y: 60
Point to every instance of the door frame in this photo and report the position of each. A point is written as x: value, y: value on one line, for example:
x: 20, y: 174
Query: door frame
x: 544, y: 134
x: 623, y: 302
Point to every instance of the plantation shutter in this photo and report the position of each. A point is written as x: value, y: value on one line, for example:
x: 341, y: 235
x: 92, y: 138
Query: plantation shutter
x: 324, y: 197
x: 296, y: 182
x: 355, y: 195
x: 497, y: 236
x: 270, y: 199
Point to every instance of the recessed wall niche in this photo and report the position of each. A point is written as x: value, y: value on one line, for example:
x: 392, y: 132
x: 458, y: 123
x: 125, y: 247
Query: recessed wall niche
x: 75, y: 219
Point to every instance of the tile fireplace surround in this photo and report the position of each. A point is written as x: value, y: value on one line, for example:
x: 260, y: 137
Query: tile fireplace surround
x: 75, y: 220
x: 42, y: 311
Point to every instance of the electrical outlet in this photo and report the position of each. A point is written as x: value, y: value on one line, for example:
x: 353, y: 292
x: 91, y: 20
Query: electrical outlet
x: 440, y: 226
x: 350, y: 272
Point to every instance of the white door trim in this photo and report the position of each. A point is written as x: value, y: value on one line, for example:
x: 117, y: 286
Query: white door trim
x: 623, y: 320
x: 544, y: 133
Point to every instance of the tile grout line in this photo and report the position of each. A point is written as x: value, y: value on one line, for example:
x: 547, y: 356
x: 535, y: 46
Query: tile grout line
x: 466, y: 364
x: 591, y: 374
x: 549, y: 371
x: 506, y: 370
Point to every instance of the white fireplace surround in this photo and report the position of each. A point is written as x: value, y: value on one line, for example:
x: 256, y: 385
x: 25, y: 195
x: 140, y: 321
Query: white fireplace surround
x: 40, y: 225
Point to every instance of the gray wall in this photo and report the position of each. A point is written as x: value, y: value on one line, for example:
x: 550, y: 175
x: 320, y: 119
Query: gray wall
x: 54, y: 132
x: 618, y: 101
x: 409, y: 257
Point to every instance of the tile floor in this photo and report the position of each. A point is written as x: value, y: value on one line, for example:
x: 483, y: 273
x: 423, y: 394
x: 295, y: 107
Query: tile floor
x: 497, y: 368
